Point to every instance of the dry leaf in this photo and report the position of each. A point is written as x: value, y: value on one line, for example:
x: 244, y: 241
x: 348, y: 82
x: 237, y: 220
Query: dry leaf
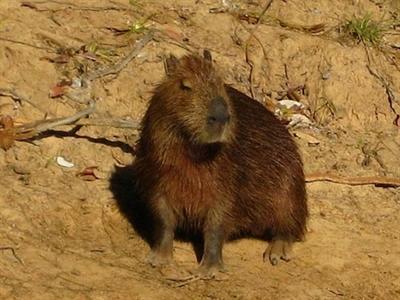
x: 60, y: 59
x: 88, y: 174
x: 59, y: 89
x: 7, y: 133
x: 312, y: 141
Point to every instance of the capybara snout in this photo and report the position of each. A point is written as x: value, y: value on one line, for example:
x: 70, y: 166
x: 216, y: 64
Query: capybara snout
x: 218, y: 113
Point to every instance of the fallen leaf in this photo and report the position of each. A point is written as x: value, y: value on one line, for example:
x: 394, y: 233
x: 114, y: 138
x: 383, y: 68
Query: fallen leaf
x: 7, y: 133
x: 59, y: 89
x: 312, y: 141
x: 290, y: 104
x: 88, y: 174
x: 299, y: 120
x: 60, y: 59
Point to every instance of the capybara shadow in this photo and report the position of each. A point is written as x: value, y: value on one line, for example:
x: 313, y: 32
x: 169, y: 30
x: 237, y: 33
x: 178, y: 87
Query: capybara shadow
x: 137, y: 211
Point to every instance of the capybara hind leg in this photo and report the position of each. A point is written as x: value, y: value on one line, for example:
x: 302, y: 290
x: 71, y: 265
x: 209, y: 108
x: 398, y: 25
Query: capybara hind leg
x: 161, y: 250
x: 278, y: 249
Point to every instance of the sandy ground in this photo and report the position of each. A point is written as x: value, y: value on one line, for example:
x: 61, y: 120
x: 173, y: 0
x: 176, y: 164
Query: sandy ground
x: 63, y: 237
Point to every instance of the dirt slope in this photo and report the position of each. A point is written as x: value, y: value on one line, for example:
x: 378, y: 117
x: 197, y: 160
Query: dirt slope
x: 62, y: 237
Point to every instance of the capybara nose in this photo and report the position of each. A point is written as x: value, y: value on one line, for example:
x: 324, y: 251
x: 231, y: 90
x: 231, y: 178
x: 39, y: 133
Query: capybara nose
x: 218, y: 112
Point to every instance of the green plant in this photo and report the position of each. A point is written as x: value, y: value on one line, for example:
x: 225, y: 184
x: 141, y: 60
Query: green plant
x: 137, y: 27
x: 365, y: 29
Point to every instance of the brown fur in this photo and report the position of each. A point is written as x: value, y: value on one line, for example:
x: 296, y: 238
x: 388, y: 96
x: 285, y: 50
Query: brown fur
x: 247, y: 182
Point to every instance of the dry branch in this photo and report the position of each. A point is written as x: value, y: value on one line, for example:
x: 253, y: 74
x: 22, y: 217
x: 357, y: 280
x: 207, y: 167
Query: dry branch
x: 32, y: 129
x: 69, y: 6
x: 18, y: 97
x: 388, y: 89
x: 114, y: 69
x: 116, y: 123
x: 25, y: 44
x: 252, y: 35
x: 355, y: 180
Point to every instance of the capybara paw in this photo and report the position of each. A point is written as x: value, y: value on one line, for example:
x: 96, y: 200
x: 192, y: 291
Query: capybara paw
x: 277, y: 250
x: 157, y: 259
x: 209, y: 272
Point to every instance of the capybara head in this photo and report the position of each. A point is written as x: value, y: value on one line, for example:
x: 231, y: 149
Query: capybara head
x: 195, y: 96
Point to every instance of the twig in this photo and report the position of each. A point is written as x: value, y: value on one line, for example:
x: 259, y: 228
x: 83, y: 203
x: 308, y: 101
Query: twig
x: 356, y: 180
x: 164, y: 37
x: 25, y: 44
x: 116, y: 123
x: 187, y: 281
x: 390, y: 95
x: 114, y: 69
x: 29, y: 130
x: 18, y: 97
x: 313, y: 29
x: 70, y: 6
x: 13, y: 252
x: 252, y: 34
x: 389, y: 92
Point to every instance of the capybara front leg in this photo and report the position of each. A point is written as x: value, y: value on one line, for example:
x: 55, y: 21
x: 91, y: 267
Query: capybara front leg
x: 211, y: 262
x: 162, y: 248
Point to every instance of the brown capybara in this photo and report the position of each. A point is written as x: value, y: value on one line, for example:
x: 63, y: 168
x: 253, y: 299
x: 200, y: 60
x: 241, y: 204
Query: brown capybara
x: 214, y: 165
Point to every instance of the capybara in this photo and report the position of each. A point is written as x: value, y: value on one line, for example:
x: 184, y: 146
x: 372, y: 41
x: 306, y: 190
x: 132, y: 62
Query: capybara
x: 215, y: 165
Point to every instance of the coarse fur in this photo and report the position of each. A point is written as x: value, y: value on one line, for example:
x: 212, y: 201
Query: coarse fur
x: 242, y: 177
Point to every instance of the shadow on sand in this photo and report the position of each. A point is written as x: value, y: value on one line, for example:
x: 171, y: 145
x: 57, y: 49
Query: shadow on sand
x: 123, y: 187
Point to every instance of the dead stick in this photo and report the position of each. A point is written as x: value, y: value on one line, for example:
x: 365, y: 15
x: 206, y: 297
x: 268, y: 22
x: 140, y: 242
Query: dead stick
x: 355, y: 180
x: 44, y: 125
x: 116, y: 123
x: 13, y: 252
x: 252, y: 34
x: 18, y: 97
x: 25, y: 44
x: 122, y: 64
x: 71, y: 6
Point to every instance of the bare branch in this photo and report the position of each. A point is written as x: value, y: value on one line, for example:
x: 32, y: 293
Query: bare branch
x: 355, y: 180
x: 25, y: 44
x: 35, y: 128
x: 18, y: 97
x: 116, y: 123
x: 252, y: 35
x: 114, y: 69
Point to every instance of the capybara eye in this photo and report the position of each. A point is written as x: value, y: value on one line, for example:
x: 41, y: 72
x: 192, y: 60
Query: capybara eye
x: 186, y: 84
x: 211, y: 120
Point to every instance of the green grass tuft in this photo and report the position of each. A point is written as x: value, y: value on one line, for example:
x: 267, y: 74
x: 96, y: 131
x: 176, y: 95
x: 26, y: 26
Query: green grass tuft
x: 366, y: 30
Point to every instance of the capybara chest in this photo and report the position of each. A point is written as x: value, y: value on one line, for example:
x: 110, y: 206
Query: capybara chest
x: 189, y: 189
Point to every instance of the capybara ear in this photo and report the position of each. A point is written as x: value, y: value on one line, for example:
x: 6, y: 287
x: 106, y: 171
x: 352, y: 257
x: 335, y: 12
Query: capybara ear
x: 207, y: 55
x: 170, y: 64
